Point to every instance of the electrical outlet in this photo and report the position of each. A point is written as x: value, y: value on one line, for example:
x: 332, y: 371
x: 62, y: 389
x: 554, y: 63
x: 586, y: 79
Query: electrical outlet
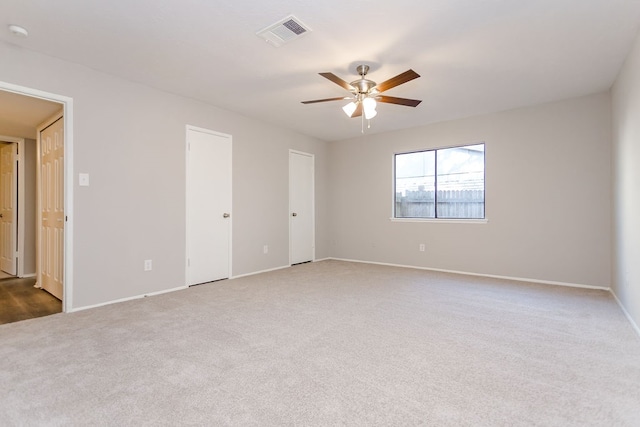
x: 265, y: 249
x: 421, y: 247
x: 148, y: 265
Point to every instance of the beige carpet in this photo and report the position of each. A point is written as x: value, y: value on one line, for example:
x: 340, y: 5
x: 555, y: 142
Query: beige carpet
x: 330, y: 343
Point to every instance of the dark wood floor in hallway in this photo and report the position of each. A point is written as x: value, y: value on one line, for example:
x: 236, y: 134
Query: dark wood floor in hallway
x: 19, y: 300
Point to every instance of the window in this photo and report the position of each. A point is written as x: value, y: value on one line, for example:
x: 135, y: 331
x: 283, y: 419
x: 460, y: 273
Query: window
x: 444, y: 183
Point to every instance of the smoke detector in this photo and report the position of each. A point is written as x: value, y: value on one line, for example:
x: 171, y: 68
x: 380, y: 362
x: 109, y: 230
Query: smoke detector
x: 18, y: 31
x: 283, y: 31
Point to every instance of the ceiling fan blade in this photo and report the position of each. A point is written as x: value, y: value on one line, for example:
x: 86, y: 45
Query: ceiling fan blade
x: 337, y: 80
x: 400, y: 101
x: 325, y: 100
x: 397, y: 80
x: 358, y: 110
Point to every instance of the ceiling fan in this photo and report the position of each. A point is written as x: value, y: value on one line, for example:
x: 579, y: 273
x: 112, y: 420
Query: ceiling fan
x: 365, y: 93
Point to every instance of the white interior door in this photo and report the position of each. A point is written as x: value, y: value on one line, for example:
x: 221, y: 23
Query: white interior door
x: 8, y: 203
x: 51, y: 203
x: 208, y: 206
x: 301, y: 207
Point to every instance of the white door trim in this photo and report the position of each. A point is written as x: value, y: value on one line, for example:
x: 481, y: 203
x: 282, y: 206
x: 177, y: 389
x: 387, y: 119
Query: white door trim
x: 186, y: 200
x: 67, y: 112
x: 313, y: 201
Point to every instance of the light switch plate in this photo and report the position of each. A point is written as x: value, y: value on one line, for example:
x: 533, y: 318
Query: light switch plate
x: 83, y: 179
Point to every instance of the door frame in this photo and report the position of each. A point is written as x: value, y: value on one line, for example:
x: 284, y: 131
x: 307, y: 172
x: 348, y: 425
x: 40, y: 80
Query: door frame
x: 20, y: 205
x: 313, y: 202
x: 187, y: 198
x: 67, y: 113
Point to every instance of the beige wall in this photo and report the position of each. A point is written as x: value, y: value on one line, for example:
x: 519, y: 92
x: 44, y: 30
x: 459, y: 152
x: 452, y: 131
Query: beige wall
x: 626, y: 184
x: 547, y: 196
x: 131, y: 140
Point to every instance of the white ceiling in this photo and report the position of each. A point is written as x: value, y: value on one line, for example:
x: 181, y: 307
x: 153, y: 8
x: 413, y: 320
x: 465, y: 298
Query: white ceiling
x: 474, y: 56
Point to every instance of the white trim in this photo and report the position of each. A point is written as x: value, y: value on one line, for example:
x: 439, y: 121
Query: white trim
x: 28, y: 275
x: 67, y: 112
x: 303, y: 153
x: 493, y: 276
x: 313, y: 200
x: 230, y: 203
x: 260, y: 272
x: 443, y: 220
x: 392, y: 205
x: 102, y: 304
x: 68, y: 203
x: 179, y: 288
x: 21, y: 208
x: 442, y: 147
x: 634, y: 325
x: 186, y: 196
x: 186, y: 205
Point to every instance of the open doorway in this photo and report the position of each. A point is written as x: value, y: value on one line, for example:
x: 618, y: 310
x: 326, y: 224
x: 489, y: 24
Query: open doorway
x: 24, y: 113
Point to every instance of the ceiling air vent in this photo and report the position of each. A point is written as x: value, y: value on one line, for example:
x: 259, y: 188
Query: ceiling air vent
x: 284, y: 31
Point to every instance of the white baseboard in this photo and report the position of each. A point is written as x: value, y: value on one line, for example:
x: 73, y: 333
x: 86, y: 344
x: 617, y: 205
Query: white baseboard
x: 102, y: 304
x: 271, y: 269
x: 259, y: 272
x: 518, y: 279
x: 26, y: 276
x: 493, y: 276
x: 634, y: 325
x: 179, y: 288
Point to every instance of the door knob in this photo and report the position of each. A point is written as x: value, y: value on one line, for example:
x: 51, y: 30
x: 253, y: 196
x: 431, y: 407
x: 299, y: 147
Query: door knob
x: 225, y: 215
x: 294, y: 214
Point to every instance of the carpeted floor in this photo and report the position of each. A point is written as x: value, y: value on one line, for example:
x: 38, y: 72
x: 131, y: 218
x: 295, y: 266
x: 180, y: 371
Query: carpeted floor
x: 330, y: 343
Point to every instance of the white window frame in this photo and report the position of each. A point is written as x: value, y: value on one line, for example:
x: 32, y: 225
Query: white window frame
x: 393, y: 217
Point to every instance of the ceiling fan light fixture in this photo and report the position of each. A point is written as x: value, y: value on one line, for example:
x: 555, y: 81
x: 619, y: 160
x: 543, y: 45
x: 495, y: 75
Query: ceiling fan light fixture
x: 369, y: 107
x: 370, y: 114
x: 349, y: 108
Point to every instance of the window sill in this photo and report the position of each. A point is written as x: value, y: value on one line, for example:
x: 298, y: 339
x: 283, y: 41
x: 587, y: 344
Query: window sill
x: 442, y: 220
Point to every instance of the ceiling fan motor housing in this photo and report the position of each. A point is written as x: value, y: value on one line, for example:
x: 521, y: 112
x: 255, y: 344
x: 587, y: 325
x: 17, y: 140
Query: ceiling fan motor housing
x: 363, y: 86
